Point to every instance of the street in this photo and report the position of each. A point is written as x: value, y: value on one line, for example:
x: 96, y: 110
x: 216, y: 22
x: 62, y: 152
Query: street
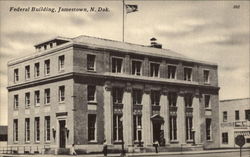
x: 227, y: 154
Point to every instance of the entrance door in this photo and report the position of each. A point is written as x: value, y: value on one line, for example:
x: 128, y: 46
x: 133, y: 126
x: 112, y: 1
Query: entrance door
x: 156, y: 131
x: 62, y: 134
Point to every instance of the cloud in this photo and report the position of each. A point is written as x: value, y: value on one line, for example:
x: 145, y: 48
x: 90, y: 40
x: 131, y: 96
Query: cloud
x: 79, y: 21
x: 233, y: 39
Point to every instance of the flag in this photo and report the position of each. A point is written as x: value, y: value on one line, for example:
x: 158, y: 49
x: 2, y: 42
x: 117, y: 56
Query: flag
x: 131, y: 8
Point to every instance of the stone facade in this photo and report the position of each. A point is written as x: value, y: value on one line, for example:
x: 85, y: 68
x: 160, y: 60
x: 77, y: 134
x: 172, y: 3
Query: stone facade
x: 108, y: 91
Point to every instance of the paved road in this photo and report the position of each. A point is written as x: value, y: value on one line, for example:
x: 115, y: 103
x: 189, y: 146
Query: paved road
x: 228, y: 154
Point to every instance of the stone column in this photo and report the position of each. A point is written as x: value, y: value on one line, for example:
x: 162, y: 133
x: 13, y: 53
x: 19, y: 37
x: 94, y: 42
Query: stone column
x: 127, y: 116
x: 145, y: 67
x: 108, y: 113
x: 164, y: 112
x: 127, y: 65
x: 196, y: 118
x: 146, y: 121
x: 181, y: 118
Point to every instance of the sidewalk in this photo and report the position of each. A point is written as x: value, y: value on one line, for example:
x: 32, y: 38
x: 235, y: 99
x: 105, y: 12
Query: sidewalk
x: 132, y: 154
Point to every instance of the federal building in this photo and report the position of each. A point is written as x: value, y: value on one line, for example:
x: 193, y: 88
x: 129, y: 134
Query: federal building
x: 85, y: 90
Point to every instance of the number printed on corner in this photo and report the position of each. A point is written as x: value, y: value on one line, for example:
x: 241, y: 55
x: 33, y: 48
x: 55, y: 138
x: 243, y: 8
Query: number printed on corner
x: 236, y: 6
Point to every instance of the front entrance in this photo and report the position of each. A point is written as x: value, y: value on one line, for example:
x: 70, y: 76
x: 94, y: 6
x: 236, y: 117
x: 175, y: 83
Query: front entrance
x: 158, y: 132
x: 62, y: 134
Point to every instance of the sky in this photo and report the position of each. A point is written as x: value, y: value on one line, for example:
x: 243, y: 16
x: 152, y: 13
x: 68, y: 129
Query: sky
x: 214, y: 31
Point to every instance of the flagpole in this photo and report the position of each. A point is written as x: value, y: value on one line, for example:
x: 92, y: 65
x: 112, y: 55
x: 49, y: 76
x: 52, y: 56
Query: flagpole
x: 123, y: 21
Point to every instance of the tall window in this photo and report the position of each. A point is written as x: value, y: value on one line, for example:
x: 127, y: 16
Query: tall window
x: 173, y: 128
x: 117, y: 127
x: 207, y: 101
x: 37, y: 70
x: 188, y: 100
x: 137, y: 96
x: 155, y: 97
x: 136, y: 68
x: 116, y: 65
x: 47, y: 96
x: 37, y: 98
x: 117, y: 95
x: 172, y: 98
x: 189, y: 126
x: 171, y: 72
x: 91, y: 62
x: 47, y: 67
x: 37, y: 129
x: 16, y: 75
x: 27, y: 129
x: 91, y: 127
x: 16, y: 102
x: 247, y: 115
x: 61, y: 93
x: 27, y: 72
x: 137, y: 123
x: 225, y: 138
x: 224, y: 116
x: 61, y: 60
x: 154, y: 69
x: 208, y: 129
x: 187, y: 74
x: 237, y: 115
x: 206, y: 76
x: 47, y: 128
x: 27, y: 100
x: 91, y: 93
x: 15, y: 130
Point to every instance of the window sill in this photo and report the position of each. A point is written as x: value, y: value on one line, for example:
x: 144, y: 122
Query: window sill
x: 27, y: 79
x: 92, y: 142
x: 15, y: 142
x: 137, y: 142
x: 27, y: 108
x: 209, y: 140
x: 47, y: 142
x: 206, y: 83
x: 61, y: 102
x: 118, y: 142
x: 61, y: 70
x: 46, y: 75
x: 27, y: 142
x: 37, y: 142
x: 37, y: 105
x: 92, y: 103
x: 190, y: 141
x: 92, y: 71
x: 47, y: 104
x: 208, y: 109
x: 175, y: 141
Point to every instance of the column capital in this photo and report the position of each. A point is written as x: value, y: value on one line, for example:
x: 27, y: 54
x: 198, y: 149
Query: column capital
x: 164, y: 91
x: 147, y: 89
x: 108, y: 86
x: 128, y: 87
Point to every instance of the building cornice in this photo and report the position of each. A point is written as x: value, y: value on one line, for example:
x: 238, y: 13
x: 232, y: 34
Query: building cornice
x: 111, y: 76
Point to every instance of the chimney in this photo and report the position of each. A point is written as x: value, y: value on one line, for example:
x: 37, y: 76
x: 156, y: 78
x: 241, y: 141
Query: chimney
x: 153, y: 42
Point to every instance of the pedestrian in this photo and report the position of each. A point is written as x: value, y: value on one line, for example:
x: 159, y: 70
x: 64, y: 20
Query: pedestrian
x: 156, y: 144
x: 73, y: 152
x: 105, y: 148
